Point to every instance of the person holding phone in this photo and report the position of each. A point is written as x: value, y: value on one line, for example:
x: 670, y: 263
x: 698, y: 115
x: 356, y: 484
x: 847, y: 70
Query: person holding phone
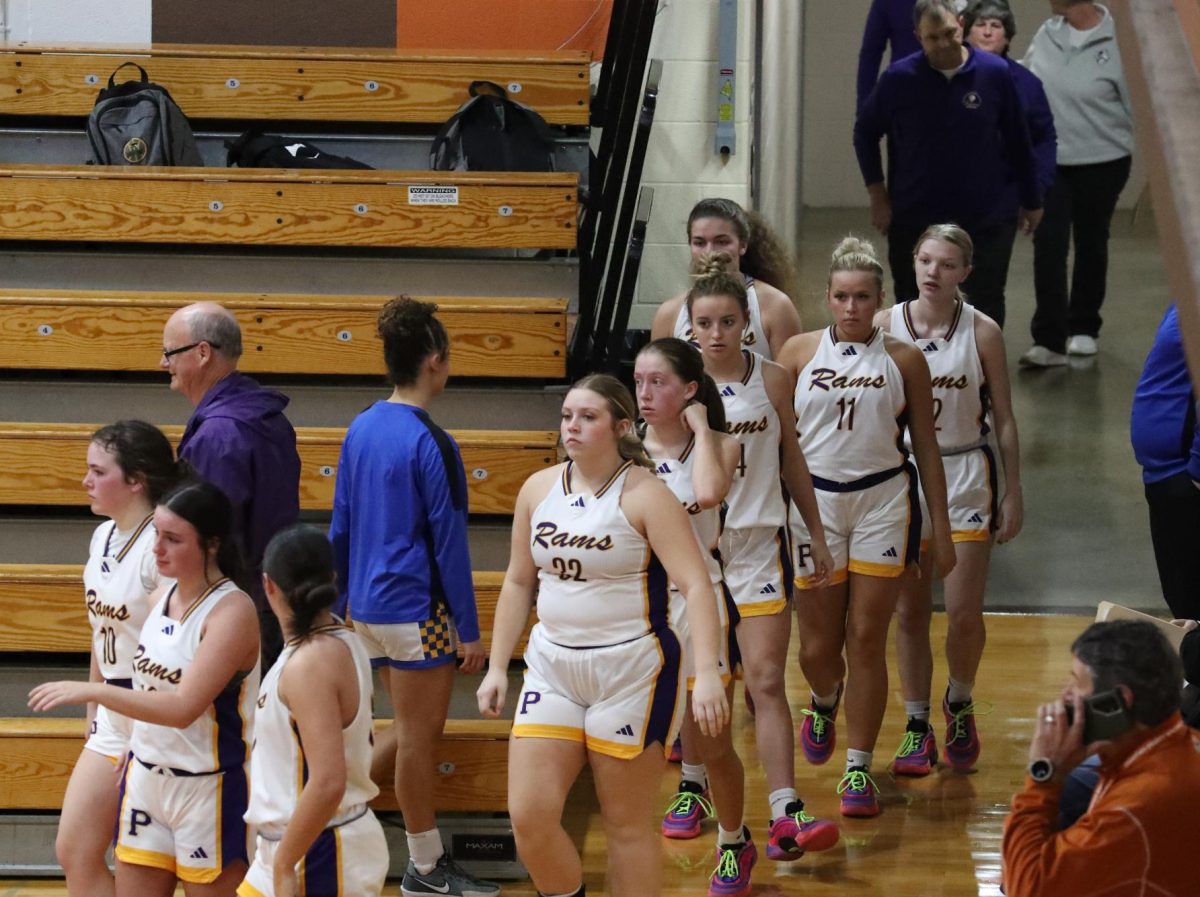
x: 1122, y: 705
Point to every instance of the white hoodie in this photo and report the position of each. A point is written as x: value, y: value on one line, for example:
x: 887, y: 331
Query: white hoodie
x: 1086, y: 89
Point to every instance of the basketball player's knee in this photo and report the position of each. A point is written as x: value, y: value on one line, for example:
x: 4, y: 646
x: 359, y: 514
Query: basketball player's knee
x: 533, y: 819
x: 78, y: 858
x: 913, y: 619
x: 965, y: 622
x: 764, y: 680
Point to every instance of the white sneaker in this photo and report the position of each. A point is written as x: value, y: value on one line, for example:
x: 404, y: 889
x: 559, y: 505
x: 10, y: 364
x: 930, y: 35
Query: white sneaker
x: 1080, y: 344
x: 1041, y: 357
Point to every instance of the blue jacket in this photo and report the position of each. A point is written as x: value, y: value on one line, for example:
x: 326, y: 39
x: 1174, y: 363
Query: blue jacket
x: 239, y: 439
x: 399, y: 529
x: 1166, y: 441
x: 888, y: 22
x: 955, y: 146
x: 1041, y: 123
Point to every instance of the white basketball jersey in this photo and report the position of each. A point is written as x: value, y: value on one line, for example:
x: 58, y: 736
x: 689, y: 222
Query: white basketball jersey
x: 219, y: 738
x: 754, y: 337
x: 756, y: 497
x: 599, y: 582
x: 706, y: 522
x: 118, y: 580
x: 850, y: 409
x: 960, y: 406
x: 278, y: 768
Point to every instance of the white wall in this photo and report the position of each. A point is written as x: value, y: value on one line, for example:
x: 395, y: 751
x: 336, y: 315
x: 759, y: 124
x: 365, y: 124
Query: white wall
x: 832, y: 36
x: 681, y: 165
x: 71, y: 21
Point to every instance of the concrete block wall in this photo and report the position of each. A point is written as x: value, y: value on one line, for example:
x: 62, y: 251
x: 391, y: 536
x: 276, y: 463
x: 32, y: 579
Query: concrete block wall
x: 681, y: 164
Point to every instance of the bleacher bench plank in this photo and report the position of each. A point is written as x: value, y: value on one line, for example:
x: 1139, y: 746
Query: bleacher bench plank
x: 44, y: 608
x: 38, y: 754
x: 42, y: 464
x: 294, y: 83
x: 282, y: 334
x: 286, y: 207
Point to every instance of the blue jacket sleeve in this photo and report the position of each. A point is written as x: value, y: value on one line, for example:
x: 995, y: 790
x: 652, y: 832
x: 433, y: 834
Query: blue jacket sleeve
x: 869, y: 128
x: 443, y: 487
x: 1194, y: 458
x: 1042, y: 134
x: 1015, y: 131
x: 339, y: 532
x: 870, y: 54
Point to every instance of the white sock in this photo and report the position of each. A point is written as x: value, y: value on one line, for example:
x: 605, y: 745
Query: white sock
x: 826, y: 702
x: 917, y: 710
x: 696, y: 774
x: 959, y: 692
x: 731, y: 839
x: 425, y: 849
x: 780, y: 799
x: 858, y: 758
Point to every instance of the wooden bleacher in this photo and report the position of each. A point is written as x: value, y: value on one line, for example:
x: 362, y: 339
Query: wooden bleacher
x: 41, y: 464
x: 44, y: 609
x: 282, y: 334
x: 37, y: 755
x: 294, y: 83
x: 287, y: 207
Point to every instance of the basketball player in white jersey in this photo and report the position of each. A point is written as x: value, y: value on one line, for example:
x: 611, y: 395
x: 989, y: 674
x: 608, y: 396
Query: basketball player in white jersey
x: 971, y: 397
x: 685, y: 436
x: 130, y: 464
x: 195, y: 677
x: 855, y: 389
x: 597, y: 540
x: 758, y: 256
x: 316, y: 835
x: 755, y: 547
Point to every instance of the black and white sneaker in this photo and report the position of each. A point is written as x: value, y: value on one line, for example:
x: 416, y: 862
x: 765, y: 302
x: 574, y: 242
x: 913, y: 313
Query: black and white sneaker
x: 447, y: 879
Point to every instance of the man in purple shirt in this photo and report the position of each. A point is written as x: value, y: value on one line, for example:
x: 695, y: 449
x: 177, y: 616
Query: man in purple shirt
x: 237, y: 437
x: 958, y: 143
x: 889, y: 22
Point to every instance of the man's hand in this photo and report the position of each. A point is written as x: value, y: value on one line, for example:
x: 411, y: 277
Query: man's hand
x: 1028, y: 220
x: 881, y: 208
x: 1057, y: 740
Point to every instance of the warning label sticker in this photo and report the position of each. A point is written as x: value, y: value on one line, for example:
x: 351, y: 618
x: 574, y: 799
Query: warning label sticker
x: 433, y: 196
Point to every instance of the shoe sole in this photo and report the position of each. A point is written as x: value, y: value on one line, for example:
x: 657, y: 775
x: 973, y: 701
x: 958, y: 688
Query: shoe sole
x: 407, y: 893
x: 857, y: 812
x: 681, y: 834
x: 913, y: 772
x: 964, y: 765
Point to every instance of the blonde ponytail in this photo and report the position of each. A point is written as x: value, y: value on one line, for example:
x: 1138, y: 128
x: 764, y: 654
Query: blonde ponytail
x: 856, y: 254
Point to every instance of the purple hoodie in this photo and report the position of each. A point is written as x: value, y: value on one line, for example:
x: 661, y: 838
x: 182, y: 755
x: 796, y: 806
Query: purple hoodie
x: 888, y: 22
x: 239, y: 439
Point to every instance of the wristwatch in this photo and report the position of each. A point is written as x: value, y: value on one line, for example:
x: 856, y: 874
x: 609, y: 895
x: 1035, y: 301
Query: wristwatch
x: 1041, y: 770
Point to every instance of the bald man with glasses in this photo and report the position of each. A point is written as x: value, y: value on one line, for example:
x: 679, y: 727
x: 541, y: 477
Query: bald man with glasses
x: 237, y: 437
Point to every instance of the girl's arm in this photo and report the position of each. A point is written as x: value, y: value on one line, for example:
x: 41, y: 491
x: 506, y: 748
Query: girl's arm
x: 664, y: 319
x: 516, y: 595
x: 780, y: 318
x: 918, y: 395
x: 990, y: 342
x: 652, y: 509
x: 715, y: 458
x: 228, y: 646
x: 794, y: 469
x: 319, y: 686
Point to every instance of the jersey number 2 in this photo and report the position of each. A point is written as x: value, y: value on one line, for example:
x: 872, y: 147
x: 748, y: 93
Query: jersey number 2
x: 568, y: 568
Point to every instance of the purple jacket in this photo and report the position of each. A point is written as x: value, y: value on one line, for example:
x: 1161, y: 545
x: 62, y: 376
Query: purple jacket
x: 239, y: 439
x: 888, y: 22
x: 1041, y: 123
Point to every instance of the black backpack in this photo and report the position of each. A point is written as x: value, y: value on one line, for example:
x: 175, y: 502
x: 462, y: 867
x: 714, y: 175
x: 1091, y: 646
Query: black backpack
x: 490, y: 132
x: 254, y: 149
x: 137, y: 123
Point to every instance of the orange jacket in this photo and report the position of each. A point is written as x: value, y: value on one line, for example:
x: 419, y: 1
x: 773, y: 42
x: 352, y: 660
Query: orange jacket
x: 1137, y: 837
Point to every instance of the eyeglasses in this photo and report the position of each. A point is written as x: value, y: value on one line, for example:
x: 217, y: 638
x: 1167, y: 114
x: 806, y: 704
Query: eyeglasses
x: 167, y: 353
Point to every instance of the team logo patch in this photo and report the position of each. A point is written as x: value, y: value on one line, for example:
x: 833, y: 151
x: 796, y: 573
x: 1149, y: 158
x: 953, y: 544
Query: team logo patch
x: 891, y: 553
x: 1102, y: 57
x: 626, y: 730
x: 975, y: 518
x: 850, y: 350
x: 728, y: 391
x: 135, y: 150
x: 972, y: 99
x: 931, y: 347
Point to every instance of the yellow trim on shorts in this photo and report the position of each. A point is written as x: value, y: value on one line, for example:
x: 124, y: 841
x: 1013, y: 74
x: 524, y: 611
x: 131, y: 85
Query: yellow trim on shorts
x: 115, y: 761
x: 809, y: 582
x: 613, y: 748
x: 136, y: 856
x: 245, y: 889
x: 541, y: 730
x: 868, y: 568
x: 762, y: 608
x: 970, y: 535
x: 198, y: 876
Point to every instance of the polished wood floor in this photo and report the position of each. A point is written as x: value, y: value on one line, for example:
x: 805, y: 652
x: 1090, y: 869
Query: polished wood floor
x: 937, y: 837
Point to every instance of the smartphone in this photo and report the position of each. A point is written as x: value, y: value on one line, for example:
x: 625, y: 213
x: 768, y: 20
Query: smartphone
x: 1105, y: 716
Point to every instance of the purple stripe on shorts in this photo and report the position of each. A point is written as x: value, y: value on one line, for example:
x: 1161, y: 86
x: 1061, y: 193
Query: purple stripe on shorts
x: 321, y: 865
x: 666, y: 689
x: 235, y: 797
